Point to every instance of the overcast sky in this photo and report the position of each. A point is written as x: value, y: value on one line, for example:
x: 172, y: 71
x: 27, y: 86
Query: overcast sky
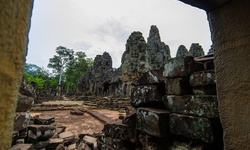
x: 95, y: 26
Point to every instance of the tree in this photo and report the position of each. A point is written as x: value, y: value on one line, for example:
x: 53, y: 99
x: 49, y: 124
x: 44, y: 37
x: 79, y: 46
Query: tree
x: 62, y: 58
x: 77, y: 68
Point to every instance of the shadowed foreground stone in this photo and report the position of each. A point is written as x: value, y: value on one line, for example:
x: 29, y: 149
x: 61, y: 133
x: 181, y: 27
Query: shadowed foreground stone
x: 177, y: 86
x: 198, y: 105
x: 21, y: 121
x: 191, y: 127
x: 108, y: 143
x: 23, y: 147
x: 44, y: 120
x: 153, y: 121
x: 149, y: 142
x: 202, y: 78
x: 40, y: 132
x: 116, y: 129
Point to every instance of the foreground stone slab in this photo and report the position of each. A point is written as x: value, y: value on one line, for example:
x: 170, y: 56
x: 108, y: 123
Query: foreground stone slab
x: 40, y: 132
x: 23, y: 147
x: 181, y: 67
x: 54, y: 142
x: 21, y: 121
x: 178, y: 86
x: 146, y: 96
x: 191, y: 127
x: 149, y: 142
x: 198, y: 105
x: 44, y: 120
x: 116, y: 129
x: 153, y: 121
x: 91, y: 141
x: 68, y: 137
x: 108, y: 143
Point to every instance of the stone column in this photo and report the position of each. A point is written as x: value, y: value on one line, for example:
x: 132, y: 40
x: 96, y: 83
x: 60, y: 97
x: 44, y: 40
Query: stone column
x: 14, y: 27
x: 230, y: 30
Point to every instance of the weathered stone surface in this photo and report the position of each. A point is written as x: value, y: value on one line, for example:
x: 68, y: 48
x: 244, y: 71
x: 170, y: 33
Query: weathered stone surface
x: 108, y: 143
x: 147, y: 78
x: 41, y: 144
x: 157, y: 51
x: 130, y: 119
x: 153, y: 121
x: 134, y: 59
x: 54, y: 142
x: 76, y: 112
x: 191, y: 127
x: 198, y: 105
x: 44, y: 120
x: 21, y: 121
x: 196, y: 50
x: 177, y: 86
x: 185, y: 146
x: 181, y: 67
x: 59, y: 129
x: 202, y: 78
x: 72, y: 146
x: 23, y: 147
x: 149, y: 142
x: 91, y: 141
x: 146, y: 96
x: 40, y: 132
x: 68, y: 137
x: 83, y: 146
x: 24, y: 103
x: 205, y: 90
x: 182, y: 51
x: 116, y: 129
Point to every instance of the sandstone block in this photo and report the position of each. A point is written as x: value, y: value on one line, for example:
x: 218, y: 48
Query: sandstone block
x: 21, y: 121
x: 23, y: 147
x: 181, y: 67
x: 68, y: 137
x: 153, y: 143
x: 40, y: 132
x: 202, y: 78
x: 24, y: 103
x: 146, y: 79
x: 178, y: 86
x: 191, y: 127
x: 130, y: 119
x: 44, y: 120
x: 198, y: 105
x: 91, y: 141
x: 54, y: 142
x: 108, y: 143
x: 147, y: 96
x: 153, y: 121
x: 116, y: 129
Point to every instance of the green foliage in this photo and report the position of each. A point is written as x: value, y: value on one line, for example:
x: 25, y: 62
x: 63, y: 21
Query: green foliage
x: 34, y: 79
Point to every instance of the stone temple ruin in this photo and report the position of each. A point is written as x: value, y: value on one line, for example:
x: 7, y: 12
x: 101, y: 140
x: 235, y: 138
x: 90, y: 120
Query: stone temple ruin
x: 170, y: 103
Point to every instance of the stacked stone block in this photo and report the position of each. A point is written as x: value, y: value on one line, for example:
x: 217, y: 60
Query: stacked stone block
x: 179, y: 111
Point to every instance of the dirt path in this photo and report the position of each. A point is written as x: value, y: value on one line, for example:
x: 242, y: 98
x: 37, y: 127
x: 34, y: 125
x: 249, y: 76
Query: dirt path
x: 77, y: 123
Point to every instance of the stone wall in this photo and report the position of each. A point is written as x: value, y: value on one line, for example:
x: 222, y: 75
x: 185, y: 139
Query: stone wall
x: 183, y: 114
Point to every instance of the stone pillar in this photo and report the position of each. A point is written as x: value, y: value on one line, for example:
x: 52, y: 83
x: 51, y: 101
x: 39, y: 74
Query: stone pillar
x: 14, y: 27
x: 230, y: 30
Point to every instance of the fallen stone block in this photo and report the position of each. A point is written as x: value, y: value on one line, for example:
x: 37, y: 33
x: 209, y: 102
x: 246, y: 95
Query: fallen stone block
x: 109, y: 143
x: 181, y: 67
x: 202, y: 78
x: 191, y: 127
x: 147, y: 78
x: 41, y: 144
x: 76, y: 112
x: 185, y: 146
x: 23, y: 147
x: 15, y: 135
x: 147, y: 96
x: 153, y: 143
x: 178, y: 86
x: 59, y: 129
x: 54, y: 142
x: 68, y: 137
x: 198, y: 105
x: 130, y: 119
x: 24, y: 103
x: 153, y: 121
x: 83, y: 146
x: 116, y: 129
x: 91, y: 141
x: 21, y: 121
x: 40, y: 132
x: 44, y: 120
x: 72, y: 146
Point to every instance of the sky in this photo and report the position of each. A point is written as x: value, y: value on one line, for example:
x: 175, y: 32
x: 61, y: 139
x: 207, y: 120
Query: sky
x: 96, y: 26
